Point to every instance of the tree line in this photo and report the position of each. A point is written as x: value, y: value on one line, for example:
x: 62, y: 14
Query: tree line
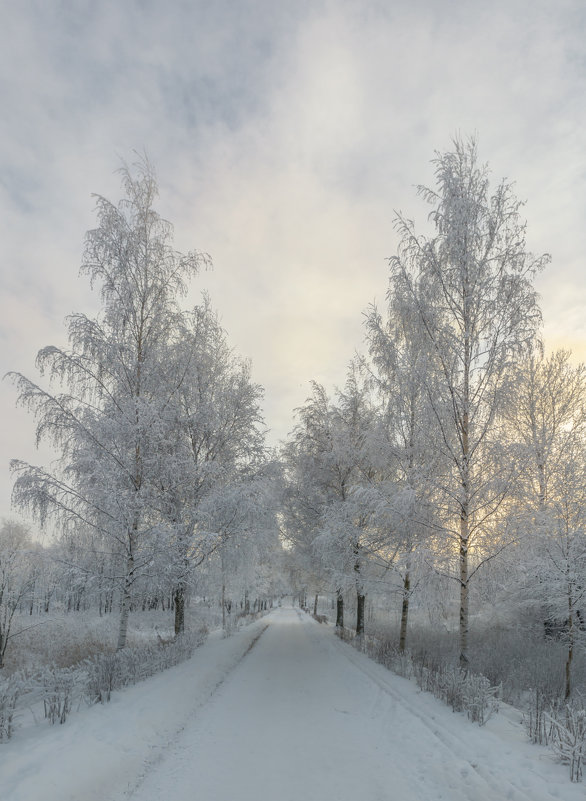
x: 455, y: 448
x: 457, y: 445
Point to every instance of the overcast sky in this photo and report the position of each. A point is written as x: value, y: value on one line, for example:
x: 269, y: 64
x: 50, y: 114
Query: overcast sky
x: 284, y: 134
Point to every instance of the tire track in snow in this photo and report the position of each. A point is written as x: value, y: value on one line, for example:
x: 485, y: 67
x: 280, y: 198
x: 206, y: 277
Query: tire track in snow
x: 298, y: 721
x: 285, y: 726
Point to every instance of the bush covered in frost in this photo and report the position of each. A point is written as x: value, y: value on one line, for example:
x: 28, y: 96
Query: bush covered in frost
x: 463, y: 691
x: 108, y: 672
x: 59, y: 686
x: 91, y: 681
x: 562, y: 727
x: 11, y: 689
x: 549, y: 721
x: 569, y: 738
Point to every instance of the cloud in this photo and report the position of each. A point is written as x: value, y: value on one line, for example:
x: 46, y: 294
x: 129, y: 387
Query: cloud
x: 284, y: 136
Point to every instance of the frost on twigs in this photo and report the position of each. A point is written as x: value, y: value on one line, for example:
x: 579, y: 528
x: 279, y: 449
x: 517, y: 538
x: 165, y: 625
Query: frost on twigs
x: 463, y: 691
x: 10, y: 691
x: 561, y: 727
x: 58, y: 692
x: 108, y: 672
x: 569, y: 739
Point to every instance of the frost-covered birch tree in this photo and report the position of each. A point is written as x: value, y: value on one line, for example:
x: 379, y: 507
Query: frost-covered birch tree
x: 242, y: 518
x: 17, y: 577
x: 307, y: 492
x: 546, y: 415
x: 400, y: 364
x: 329, y: 458
x: 471, y: 284
x: 547, y: 420
x: 217, y: 443
x: 348, y: 520
x: 561, y: 552
x: 107, y: 409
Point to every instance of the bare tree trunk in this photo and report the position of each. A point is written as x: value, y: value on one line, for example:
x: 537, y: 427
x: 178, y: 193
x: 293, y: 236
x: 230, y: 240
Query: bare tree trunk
x: 542, y: 484
x: 339, y: 610
x: 464, y: 516
x: 405, y: 611
x: 360, y: 600
x: 569, y: 660
x: 464, y: 591
x: 126, y: 598
x: 179, y: 603
x: 360, y: 596
x: 570, y: 655
x: 223, y: 606
x: 315, y: 604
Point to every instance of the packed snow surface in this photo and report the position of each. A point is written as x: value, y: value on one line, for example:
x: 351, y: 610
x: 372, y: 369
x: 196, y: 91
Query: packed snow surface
x: 281, y: 711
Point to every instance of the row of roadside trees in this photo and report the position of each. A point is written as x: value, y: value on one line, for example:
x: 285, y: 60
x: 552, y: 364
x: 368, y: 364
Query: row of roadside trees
x: 456, y: 441
x: 455, y: 445
x: 157, y: 423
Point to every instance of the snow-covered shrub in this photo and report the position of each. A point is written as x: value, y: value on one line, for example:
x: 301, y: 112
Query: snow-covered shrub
x: 402, y: 664
x: 425, y: 671
x: 10, y: 690
x: 480, y: 698
x: 111, y: 671
x: 539, y: 718
x: 183, y: 647
x: 381, y: 650
x: 230, y: 625
x: 447, y: 684
x: 345, y: 634
x: 92, y: 680
x: 463, y: 691
x: 233, y: 621
x: 103, y: 676
x: 568, y: 739
x: 561, y: 726
x: 137, y: 664
x: 512, y: 653
x: 59, y: 686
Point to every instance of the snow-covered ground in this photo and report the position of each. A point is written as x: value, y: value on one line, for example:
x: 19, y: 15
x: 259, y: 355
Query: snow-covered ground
x: 281, y: 711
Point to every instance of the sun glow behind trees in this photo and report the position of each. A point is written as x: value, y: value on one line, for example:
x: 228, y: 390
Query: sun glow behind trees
x: 450, y: 373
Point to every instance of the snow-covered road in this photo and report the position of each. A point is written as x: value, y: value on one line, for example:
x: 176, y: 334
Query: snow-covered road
x: 282, y: 710
x: 304, y: 716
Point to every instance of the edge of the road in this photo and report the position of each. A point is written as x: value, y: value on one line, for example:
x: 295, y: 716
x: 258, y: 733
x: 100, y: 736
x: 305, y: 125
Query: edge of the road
x: 250, y: 635
x: 436, y: 717
x: 102, y: 750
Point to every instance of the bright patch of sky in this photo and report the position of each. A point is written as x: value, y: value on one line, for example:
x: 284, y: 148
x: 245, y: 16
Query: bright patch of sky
x: 284, y: 136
